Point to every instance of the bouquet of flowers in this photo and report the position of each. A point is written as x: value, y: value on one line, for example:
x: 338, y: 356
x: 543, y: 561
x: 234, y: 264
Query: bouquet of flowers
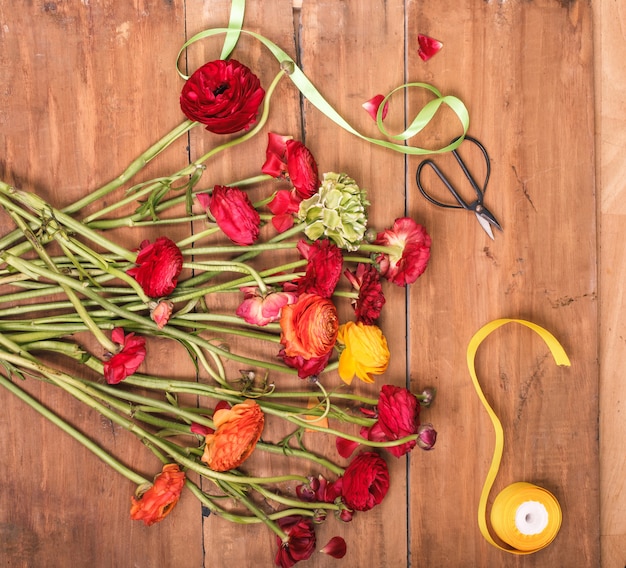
x: 253, y: 294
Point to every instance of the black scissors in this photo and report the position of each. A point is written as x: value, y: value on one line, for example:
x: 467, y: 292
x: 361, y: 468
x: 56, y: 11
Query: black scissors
x: 484, y: 216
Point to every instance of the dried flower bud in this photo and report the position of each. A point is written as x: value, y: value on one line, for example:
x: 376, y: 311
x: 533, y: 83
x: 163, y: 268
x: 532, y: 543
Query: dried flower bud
x: 428, y: 395
x: 427, y: 436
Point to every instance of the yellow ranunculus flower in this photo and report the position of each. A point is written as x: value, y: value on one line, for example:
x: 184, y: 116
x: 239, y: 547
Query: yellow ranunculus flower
x: 365, y: 352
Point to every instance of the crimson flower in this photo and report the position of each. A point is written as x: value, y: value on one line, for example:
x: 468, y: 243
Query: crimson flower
x: 223, y: 95
x: 126, y: 361
x: 369, y: 304
x: 365, y: 481
x: 158, y: 266
x: 413, y: 251
x: 323, y: 269
x: 300, y: 543
x: 261, y: 310
x: 373, y: 105
x: 233, y: 212
x: 284, y: 205
x: 160, y: 498
x: 398, y: 417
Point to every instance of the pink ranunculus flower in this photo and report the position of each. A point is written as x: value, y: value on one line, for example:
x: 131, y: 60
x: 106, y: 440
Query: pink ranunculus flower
x: 413, y: 251
x: 127, y: 360
x: 233, y: 212
x: 161, y: 312
x: 223, y: 95
x: 259, y: 309
x: 158, y: 266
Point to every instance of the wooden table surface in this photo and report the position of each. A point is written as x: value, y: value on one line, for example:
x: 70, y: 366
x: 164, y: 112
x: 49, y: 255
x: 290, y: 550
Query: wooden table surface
x: 87, y: 86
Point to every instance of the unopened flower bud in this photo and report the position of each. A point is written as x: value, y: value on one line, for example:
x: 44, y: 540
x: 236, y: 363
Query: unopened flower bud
x: 428, y: 395
x: 319, y: 516
x: 370, y: 235
x: 427, y: 436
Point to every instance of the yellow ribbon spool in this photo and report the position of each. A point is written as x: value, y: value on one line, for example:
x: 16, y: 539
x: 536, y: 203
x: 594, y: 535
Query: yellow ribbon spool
x: 523, y: 515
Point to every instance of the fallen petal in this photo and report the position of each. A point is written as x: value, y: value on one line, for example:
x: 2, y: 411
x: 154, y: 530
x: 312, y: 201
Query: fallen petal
x: 428, y: 46
x: 336, y: 547
x: 373, y: 104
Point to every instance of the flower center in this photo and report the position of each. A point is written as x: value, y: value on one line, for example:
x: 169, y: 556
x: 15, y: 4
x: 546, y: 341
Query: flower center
x: 223, y: 87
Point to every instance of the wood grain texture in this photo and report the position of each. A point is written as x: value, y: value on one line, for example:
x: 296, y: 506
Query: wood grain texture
x: 85, y: 87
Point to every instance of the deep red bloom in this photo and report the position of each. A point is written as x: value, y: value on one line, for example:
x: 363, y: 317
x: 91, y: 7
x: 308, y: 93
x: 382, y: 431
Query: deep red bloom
x: 369, y: 304
x: 233, y: 212
x: 158, y: 266
x: 323, y: 269
x: 373, y: 105
x: 290, y: 158
x: 284, y: 205
x: 365, y: 481
x: 223, y: 95
x: 127, y: 360
x: 398, y: 417
x: 413, y: 251
x: 159, y: 500
x: 336, y: 547
x: 261, y: 310
x: 300, y: 544
x: 427, y: 46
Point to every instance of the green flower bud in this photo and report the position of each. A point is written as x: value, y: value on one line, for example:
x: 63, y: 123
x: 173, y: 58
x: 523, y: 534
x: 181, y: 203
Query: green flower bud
x: 337, y: 211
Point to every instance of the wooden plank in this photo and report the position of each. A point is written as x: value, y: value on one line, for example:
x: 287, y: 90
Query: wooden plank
x: 86, y: 87
x: 524, y: 70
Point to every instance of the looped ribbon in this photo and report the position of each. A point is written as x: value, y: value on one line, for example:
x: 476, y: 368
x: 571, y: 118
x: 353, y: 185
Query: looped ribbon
x: 310, y: 92
x: 523, y: 515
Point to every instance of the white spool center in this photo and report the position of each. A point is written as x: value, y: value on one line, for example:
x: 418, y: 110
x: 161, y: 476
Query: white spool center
x: 531, y: 518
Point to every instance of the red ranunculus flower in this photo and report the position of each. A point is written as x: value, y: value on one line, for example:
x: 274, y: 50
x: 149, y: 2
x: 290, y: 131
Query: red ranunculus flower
x: 369, y: 304
x: 323, y: 269
x: 261, y: 310
x: 301, y: 540
x: 223, y: 95
x: 290, y: 158
x: 413, y: 244
x: 284, y: 205
x: 309, y: 327
x: 127, y: 360
x: 159, y: 500
x: 398, y: 417
x: 233, y: 212
x: 365, y: 481
x: 158, y: 266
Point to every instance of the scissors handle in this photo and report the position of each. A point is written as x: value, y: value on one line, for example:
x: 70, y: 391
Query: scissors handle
x: 461, y: 203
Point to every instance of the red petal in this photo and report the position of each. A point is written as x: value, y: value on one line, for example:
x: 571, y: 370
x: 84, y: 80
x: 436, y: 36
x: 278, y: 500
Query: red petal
x: 372, y: 105
x: 428, y: 46
x: 345, y: 448
x: 336, y: 547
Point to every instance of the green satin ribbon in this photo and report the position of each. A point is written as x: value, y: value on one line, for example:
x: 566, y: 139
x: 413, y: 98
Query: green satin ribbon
x: 310, y: 92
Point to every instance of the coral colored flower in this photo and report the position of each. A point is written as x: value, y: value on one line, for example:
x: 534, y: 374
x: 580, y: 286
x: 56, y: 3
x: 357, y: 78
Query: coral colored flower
x: 288, y: 158
x: 398, y: 417
x: 160, y: 313
x: 413, y: 251
x: 365, y: 481
x: 309, y: 327
x: 159, y: 500
x: 336, y: 547
x: 158, y: 266
x: 127, y: 360
x: 233, y: 212
x: 300, y: 543
x: 261, y: 310
x: 237, y: 430
x: 323, y: 269
x: 427, y: 436
x: 364, y: 354
x: 373, y: 105
x: 284, y: 206
x: 223, y: 95
x: 427, y: 46
x: 369, y: 304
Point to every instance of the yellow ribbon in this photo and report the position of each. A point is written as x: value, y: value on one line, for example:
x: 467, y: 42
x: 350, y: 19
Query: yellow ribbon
x: 523, y: 515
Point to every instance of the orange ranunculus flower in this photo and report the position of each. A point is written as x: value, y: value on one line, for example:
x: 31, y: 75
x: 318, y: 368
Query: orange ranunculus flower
x: 365, y: 352
x: 309, y: 327
x: 237, y: 430
x: 159, y: 500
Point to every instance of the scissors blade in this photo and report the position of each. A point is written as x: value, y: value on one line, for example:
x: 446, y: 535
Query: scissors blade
x: 485, y: 225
